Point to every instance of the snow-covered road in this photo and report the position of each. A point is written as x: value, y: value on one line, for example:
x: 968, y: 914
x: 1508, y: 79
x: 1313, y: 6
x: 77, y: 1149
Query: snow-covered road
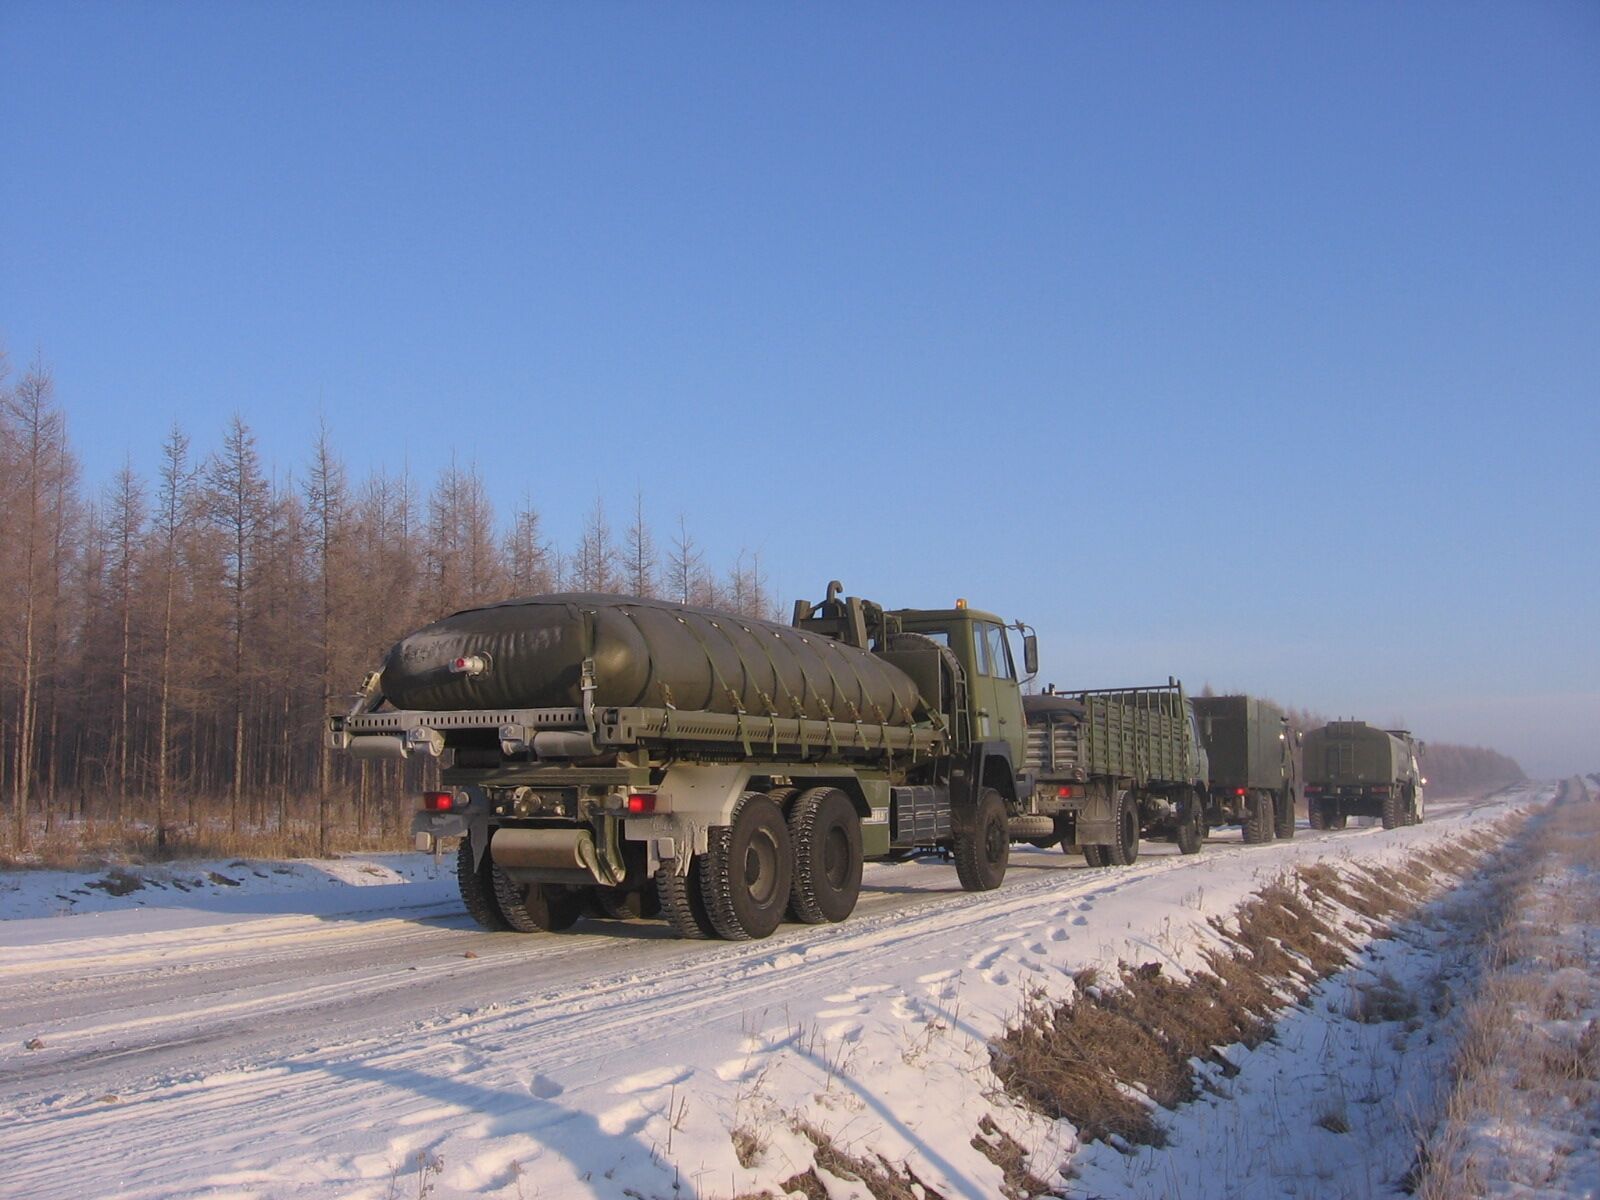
x: 231, y: 1041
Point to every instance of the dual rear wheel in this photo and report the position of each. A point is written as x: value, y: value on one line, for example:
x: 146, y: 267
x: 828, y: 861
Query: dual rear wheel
x: 1124, y: 851
x: 766, y: 864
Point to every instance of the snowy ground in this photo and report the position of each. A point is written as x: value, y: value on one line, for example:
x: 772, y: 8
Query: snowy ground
x: 343, y: 1030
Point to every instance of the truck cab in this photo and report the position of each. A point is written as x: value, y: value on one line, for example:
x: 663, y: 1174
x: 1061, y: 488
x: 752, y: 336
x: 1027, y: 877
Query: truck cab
x: 992, y: 714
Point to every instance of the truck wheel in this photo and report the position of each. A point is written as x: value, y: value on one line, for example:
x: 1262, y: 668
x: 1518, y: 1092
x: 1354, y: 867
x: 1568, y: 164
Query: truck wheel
x: 983, y: 843
x: 1258, y: 821
x: 783, y: 797
x: 1314, y: 815
x: 1283, y: 814
x: 1191, y: 824
x: 536, y: 907
x: 477, y: 890
x: 746, y: 872
x: 826, y: 835
x: 682, y: 902
x: 1095, y: 856
x: 625, y: 905
x: 1124, y: 852
x: 1394, y: 812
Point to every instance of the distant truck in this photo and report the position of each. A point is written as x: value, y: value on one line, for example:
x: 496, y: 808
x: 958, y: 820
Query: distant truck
x: 608, y: 752
x: 1252, y: 782
x: 1110, y: 766
x: 1355, y: 769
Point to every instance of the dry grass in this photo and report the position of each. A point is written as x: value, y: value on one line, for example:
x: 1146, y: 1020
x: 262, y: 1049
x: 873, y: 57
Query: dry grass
x: 89, y: 846
x: 1383, y: 999
x: 1109, y: 1057
x: 882, y: 1179
x: 1523, y: 1061
x: 1005, y: 1152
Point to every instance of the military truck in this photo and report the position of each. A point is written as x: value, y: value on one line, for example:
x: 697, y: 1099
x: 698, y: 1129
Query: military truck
x: 613, y: 752
x: 1354, y: 769
x: 1251, y: 757
x: 1110, y: 766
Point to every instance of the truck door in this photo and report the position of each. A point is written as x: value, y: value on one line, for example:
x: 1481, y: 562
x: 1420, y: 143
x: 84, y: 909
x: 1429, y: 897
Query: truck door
x: 997, y: 702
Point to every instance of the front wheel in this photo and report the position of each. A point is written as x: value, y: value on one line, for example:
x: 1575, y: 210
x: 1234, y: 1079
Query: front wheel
x: 826, y: 835
x: 983, y: 844
x: 747, y: 870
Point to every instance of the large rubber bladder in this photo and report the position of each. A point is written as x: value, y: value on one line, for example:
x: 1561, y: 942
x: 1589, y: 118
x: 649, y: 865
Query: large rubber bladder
x: 648, y: 653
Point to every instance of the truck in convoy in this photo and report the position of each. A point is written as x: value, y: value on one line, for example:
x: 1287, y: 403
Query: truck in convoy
x: 607, y: 751
x: 1252, y: 781
x: 1355, y: 769
x: 1110, y: 766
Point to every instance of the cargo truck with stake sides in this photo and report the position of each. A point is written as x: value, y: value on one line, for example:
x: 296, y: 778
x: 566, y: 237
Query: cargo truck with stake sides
x: 1113, y: 765
x: 613, y: 752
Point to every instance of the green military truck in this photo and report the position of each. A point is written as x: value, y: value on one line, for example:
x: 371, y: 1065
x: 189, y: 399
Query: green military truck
x: 616, y: 753
x: 1252, y: 781
x: 1354, y: 769
x: 1110, y: 766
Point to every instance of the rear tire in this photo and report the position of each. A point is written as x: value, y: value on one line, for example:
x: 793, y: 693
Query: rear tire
x: 477, y: 889
x: 1191, y: 823
x: 1124, y: 852
x: 1394, y: 811
x: 536, y: 907
x: 983, y: 843
x: 1095, y: 856
x: 1314, y: 816
x: 748, y: 869
x: 825, y: 833
x: 1258, y: 822
x: 1283, y: 814
x: 682, y: 902
x: 622, y: 905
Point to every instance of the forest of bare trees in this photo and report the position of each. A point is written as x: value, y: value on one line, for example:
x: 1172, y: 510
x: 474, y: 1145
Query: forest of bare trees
x: 169, y: 646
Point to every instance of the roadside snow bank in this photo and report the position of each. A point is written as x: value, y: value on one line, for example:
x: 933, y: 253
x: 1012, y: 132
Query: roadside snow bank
x: 221, y: 885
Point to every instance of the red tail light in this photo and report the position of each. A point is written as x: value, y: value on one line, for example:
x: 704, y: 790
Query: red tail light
x: 1313, y: 788
x: 438, y: 801
x: 1381, y: 788
x: 1238, y: 791
x: 642, y: 802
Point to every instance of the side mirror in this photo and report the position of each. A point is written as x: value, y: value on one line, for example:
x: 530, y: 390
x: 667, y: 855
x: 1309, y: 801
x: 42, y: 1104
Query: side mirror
x: 1030, y: 654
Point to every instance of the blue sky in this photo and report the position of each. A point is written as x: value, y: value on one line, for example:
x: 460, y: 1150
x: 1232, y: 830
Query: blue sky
x: 1257, y: 344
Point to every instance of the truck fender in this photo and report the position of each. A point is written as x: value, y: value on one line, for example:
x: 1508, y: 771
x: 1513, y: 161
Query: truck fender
x: 991, y: 768
x: 698, y: 797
